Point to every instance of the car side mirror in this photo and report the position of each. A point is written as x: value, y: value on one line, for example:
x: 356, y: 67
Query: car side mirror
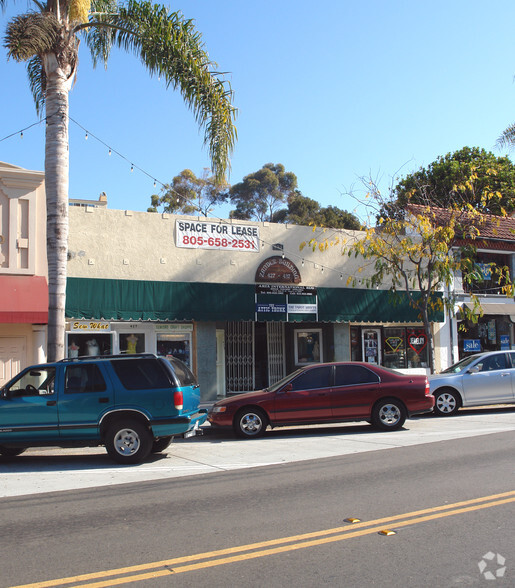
x: 287, y: 388
x: 473, y: 370
x: 6, y: 394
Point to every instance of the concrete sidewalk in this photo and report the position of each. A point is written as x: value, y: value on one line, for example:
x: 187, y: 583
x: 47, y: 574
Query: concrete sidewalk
x: 54, y: 469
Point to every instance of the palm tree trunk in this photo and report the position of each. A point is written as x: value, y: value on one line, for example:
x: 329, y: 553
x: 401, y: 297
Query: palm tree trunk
x: 56, y: 183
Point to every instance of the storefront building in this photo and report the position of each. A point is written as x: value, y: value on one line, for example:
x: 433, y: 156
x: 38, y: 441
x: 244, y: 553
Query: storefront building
x: 23, y: 270
x: 239, y: 302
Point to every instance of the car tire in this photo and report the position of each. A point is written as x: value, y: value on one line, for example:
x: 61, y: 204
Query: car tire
x: 12, y: 451
x: 388, y: 414
x: 447, y: 402
x: 250, y: 423
x: 128, y: 442
x: 161, y: 444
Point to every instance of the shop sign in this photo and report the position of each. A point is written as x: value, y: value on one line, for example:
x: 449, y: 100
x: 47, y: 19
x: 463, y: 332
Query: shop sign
x: 90, y: 326
x: 174, y: 328
x: 278, y: 269
x: 302, y: 308
x: 417, y: 342
x: 290, y: 289
x: 271, y: 307
x: 505, y: 342
x: 220, y: 236
x: 471, y: 345
x: 394, y: 343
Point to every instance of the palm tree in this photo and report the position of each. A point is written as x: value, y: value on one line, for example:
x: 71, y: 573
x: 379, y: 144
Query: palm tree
x: 48, y: 38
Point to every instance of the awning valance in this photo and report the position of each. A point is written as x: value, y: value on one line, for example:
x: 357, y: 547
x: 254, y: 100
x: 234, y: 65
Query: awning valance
x: 506, y: 308
x: 178, y: 301
x: 23, y: 299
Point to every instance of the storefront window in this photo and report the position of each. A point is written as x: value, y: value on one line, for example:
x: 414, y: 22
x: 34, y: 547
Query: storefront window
x: 355, y: 344
x: 490, y: 333
x: 394, y: 348
x: 79, y: 344
x: 308, y: 346
x: 417, y: 348
x: 132, y: 342
x: 176, y: 344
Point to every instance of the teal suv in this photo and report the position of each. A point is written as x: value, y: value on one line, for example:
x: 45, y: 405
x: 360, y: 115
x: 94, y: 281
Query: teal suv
x: 132, y: 404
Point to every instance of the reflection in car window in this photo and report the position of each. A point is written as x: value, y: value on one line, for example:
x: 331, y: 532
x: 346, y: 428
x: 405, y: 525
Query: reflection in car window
x: 318, y: 377
x: 492, y: 362
x: 461, y: 365
x: 348, y: 375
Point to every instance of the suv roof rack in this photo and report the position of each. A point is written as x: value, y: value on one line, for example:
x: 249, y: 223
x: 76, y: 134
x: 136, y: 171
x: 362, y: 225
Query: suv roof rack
x: 117, y: 356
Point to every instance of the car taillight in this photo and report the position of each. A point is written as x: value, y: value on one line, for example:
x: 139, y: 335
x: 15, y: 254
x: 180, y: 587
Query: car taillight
x: 178, y: 400
x: 428, y: 389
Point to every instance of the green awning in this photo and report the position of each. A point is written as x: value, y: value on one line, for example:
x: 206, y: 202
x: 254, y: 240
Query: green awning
x: 134, y: 300
x: 158, y: 301
x: 374, y: 306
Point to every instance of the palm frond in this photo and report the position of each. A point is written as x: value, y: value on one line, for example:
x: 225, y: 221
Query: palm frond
x: 30, y: 34
x: 170, y: 47
x: 98, y: 34
x: 37, y: 82
x: 507, y: 139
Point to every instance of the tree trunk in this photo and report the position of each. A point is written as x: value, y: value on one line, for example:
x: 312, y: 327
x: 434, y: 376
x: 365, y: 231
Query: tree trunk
x: 56, y: 183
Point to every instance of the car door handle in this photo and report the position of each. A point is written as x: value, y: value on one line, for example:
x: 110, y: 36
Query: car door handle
x: 103, y: 400
x: 51, y: 402
x: 504, y: 375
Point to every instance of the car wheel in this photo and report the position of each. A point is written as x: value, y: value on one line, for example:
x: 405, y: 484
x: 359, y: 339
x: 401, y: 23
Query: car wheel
x: 11, y: 451
x: 388, y: 414
x: 128, y: 442
x: 447, y: 402
x: 250, y: 422
x: 161, y: 444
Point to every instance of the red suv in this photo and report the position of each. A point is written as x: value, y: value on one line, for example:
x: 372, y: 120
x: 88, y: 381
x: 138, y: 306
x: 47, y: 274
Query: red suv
x: 327, y: 393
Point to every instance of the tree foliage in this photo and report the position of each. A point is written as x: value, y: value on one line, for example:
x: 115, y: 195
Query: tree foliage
x: 302, y: 210
x: 470, y: 177
x: 189, y: 194
x: 419, y: 252
x: 261, y: 194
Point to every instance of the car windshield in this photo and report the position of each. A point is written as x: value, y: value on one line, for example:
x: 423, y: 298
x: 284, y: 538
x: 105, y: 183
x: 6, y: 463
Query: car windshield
x: 461, y: 365
x: 281, y: 383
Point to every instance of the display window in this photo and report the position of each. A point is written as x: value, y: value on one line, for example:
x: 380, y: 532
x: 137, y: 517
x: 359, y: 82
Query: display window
x: 176, y: 344
x: 391, y: 347
x: 131, y: 342
x: 93, y: 343
x: 394, y: 348
x: 308, y: 346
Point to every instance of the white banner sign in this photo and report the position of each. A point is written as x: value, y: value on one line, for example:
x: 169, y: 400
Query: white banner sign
x: 302, y: 308
x: 224, y: 236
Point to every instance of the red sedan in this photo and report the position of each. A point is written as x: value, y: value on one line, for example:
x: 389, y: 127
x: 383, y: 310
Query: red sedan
x: 327, y: 393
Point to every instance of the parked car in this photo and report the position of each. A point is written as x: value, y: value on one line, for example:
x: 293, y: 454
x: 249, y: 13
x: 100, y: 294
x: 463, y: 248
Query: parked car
x: 483, y: 378
x: 327, y: 393
x: 132, y: 404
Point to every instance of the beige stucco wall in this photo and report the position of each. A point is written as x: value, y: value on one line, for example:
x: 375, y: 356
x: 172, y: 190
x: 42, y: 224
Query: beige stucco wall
x: 129, y: 245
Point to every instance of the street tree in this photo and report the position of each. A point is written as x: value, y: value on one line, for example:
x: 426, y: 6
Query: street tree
x: 189, y: 194
x: 445, y: 183
x: 261, y: 194
x: 47, y: 39
x: 418, y: 253
x: 302, y: 210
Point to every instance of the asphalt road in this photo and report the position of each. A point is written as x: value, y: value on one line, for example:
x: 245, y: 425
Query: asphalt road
x: 450, y: 504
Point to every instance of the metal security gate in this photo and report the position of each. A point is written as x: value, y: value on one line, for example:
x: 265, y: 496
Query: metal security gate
x: 239, y: 350
x: 275, y: 350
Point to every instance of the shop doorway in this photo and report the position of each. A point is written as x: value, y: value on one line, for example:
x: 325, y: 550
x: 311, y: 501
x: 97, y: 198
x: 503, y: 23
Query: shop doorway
x: 239, y: 364
x: 371, y: 341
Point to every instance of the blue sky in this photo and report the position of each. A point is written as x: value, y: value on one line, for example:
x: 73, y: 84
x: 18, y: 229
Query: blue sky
x: 335, y: 90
